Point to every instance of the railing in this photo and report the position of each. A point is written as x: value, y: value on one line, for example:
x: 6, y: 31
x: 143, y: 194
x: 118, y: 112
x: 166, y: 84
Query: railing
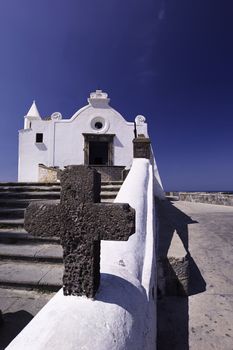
x: 123, y: 314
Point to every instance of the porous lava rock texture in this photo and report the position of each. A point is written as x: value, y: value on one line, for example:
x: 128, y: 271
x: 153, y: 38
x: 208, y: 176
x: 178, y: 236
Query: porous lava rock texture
x: 84, y: 222
x: 81, y: 222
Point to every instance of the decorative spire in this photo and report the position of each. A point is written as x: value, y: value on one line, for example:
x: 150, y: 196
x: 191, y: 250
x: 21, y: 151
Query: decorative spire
x: 33, y: 111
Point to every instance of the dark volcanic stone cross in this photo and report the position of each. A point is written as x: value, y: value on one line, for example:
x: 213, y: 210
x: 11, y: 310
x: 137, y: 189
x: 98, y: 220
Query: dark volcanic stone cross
x: 83, y: 222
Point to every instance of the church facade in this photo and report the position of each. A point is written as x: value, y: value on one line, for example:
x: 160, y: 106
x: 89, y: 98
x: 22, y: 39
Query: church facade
x: 95, y: 135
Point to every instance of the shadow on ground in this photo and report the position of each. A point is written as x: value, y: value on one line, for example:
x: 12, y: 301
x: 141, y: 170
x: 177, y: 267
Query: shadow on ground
x: 172, y: 311
x: 12, y: 325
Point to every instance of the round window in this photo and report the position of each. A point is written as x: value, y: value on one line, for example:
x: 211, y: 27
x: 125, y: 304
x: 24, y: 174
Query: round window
x: 98, y: 125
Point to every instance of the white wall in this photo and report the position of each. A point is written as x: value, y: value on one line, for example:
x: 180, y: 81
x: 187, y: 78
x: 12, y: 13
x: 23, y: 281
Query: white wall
x: 123, y: 314
x: 63, y: 140
x: 69, y: 141
x: 30, y: 153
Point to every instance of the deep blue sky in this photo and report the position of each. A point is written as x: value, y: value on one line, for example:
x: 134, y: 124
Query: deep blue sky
x: 171, y: 61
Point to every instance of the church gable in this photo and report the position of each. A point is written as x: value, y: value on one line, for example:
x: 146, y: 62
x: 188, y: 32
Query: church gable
x: 95, y: 135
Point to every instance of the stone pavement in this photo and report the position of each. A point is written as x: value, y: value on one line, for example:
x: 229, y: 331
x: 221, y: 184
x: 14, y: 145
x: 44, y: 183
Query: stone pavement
x: 204, y: 320
x: 18, y: 307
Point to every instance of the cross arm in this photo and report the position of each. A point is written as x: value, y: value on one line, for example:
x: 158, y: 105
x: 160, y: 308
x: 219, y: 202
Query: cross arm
x: 42, y: 218
x: 113, y: 221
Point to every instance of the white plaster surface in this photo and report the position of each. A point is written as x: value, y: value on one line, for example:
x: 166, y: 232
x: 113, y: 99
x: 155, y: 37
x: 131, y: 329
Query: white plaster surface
x: 63, y: 140
x: 123, y: 314
x: 33, y: 111
x: 158, y: 187
x: 32, y: 114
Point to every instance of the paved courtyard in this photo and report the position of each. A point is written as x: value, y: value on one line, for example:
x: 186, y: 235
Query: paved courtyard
x: 18, y: 307
x: 203, y: 321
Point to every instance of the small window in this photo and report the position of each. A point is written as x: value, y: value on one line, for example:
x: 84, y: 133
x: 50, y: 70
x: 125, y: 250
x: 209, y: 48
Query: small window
x: 39, y: 138
x: 98, y: 125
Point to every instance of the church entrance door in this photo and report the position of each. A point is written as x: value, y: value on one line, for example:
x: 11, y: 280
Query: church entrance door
x: 98, y: 153
x: 98, y: 149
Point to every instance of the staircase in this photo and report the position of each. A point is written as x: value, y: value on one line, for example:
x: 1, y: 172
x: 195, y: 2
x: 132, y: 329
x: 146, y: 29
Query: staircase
x: 28, y: 262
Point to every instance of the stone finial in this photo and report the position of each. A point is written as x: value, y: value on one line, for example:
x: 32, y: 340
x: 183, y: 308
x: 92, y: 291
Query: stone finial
x: 82, y: 222
x: 141, y: 147
x: 98, y: 97
x: 56, y: 116
x: 140, y: 120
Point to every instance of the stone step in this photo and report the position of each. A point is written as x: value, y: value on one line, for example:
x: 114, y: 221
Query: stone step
x: 9, y: 213
x: 27, y: 189
x: 107, y: 200
x: 12, y: 223
x: 30, y: 189
x: 29, y: 262
x: 48, y: 184
x: 20, y: 184
x: 108, y: 195
x: 110, y: 188
x: 29, y: 195
x: 113, y: 183
x: 19, y: 203
x: 31, y: 275
x: 14, y: 236
x: 12, y: 214
x: 42, y: 252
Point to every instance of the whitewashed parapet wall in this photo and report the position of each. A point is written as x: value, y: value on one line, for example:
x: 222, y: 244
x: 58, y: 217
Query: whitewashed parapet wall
x: 123, y: 314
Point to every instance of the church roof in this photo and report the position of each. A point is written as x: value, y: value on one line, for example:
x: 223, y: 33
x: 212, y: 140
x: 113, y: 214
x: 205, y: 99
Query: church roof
x: 33, y: 111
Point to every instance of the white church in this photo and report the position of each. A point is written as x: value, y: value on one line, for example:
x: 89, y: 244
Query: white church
x: 123, y: 314
x: 95, y: 135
